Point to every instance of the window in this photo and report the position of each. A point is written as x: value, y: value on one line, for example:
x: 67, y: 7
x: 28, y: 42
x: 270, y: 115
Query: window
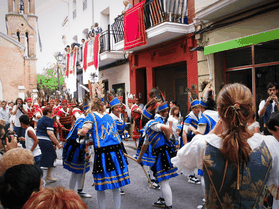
x: 84, y: 3
x: 239, y: 67
x: 26, y: 45
x: 18, y: 36
x: 74, y: 9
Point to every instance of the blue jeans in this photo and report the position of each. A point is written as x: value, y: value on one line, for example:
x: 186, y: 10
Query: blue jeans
x: 37, y: 160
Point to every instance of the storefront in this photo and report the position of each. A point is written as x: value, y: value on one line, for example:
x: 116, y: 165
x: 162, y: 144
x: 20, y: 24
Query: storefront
x: 169, y: 66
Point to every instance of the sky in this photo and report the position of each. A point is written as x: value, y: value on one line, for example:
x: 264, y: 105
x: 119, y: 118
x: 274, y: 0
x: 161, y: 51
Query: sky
x: 51, y: 14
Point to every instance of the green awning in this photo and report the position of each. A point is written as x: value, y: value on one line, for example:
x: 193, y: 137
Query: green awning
x: 244, y: 41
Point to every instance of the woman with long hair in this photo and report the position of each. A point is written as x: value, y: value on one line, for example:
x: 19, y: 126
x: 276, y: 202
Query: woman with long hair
x: 173, y: 122
x: 237, y: 164
x: 110, y: 167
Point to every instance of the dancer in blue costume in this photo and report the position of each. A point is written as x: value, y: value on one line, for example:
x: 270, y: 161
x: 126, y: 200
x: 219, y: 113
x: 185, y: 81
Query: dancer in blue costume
x: 74, y: 156
x: 148, y: 159
x: 117, y: 116
x: 110, y: 167
x: 157, y: 135
x: 238, y: 165
x: 190, y: 124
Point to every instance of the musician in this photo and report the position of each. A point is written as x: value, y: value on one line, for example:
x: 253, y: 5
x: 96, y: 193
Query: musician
x: 64, y: 120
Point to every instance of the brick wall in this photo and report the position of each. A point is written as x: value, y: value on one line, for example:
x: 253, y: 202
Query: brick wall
x: 11, y: 69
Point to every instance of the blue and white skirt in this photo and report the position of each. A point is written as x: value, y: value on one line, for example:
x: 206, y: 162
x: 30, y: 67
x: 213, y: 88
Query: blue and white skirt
x: 110, y: 168
x: 147, y: 159
x: 163, y: 168
x: 73, y: 157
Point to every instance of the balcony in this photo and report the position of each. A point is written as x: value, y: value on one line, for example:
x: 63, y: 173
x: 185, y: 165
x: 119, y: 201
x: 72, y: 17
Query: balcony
x: 108, y: 54
x: 164, y: 20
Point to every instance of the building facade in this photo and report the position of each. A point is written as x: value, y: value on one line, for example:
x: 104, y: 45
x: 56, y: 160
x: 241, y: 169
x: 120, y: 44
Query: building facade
x: 240, y: 43
x: 18, y: 50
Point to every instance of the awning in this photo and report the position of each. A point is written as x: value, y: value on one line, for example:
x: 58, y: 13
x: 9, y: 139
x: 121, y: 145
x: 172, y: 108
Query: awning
x: 244, y: 41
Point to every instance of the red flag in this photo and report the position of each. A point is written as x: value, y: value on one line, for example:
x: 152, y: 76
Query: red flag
x: 85, y: 48
x: 134, y: 28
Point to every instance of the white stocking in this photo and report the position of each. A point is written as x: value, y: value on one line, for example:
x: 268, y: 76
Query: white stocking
x: 166, y: 192
x: 101, y: 199
x: 79, y: 181
x: 203, y: 185
x: 73, y: 181
x: 116, y: 198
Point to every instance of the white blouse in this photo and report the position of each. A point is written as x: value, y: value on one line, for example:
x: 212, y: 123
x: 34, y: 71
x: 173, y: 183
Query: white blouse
x: 190, y: 156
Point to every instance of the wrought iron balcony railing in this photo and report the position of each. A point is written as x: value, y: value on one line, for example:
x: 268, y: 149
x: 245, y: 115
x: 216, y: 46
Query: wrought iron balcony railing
x: 155, y: 12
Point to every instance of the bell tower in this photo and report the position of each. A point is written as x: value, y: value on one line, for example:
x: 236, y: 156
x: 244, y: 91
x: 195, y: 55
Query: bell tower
x: 21, y: 25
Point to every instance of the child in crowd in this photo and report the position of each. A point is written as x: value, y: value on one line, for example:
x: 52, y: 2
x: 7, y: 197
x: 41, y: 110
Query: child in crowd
x: 31, y: 140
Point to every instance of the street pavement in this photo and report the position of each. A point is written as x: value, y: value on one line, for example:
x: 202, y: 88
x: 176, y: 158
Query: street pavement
x: 138, y: 193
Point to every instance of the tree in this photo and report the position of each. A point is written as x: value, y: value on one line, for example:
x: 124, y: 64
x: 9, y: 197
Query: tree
x: 48, y: 81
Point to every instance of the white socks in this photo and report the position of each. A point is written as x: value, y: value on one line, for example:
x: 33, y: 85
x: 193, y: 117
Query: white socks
x: 166, y: 192
x: 75, y: 178
x: 101, y: 199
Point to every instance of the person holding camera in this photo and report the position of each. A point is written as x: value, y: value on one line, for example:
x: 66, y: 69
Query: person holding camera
x: 7, y: 142
x: 269, y: 105
x: 19, y: 109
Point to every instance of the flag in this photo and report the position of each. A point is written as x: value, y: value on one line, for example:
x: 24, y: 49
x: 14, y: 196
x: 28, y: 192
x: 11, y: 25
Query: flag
x: 71, y: 72
x: 91, y: 52
x: 134, y: 28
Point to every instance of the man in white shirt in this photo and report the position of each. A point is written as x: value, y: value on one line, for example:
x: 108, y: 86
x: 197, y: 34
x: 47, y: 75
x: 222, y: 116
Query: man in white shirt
x: 269, y: 105
x: 5, y: 115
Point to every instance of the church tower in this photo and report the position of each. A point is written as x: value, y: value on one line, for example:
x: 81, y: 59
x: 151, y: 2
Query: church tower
x: 21, y: 26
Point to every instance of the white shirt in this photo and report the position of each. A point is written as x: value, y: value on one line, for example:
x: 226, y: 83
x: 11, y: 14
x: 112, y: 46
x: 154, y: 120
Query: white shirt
x: 262, y: 103
x: 29, y: 142
x: 190, y: 156
x: 5, y: 115
x: 18, y: 114
x: 174, y: 126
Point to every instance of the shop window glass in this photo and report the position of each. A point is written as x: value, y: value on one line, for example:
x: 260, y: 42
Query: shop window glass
x: 264, y: 75
x: 240, y: 76
x: 267, y: 52
x: 238, y: 57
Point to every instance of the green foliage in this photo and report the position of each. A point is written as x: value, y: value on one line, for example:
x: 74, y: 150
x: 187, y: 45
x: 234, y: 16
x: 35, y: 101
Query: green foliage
x: 49, y: 81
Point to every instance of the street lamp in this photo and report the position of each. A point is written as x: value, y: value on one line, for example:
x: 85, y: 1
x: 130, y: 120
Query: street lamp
x: 59, y: 59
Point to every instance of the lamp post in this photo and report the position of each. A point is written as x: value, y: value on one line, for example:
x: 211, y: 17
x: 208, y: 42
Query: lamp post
x: 59, y: 59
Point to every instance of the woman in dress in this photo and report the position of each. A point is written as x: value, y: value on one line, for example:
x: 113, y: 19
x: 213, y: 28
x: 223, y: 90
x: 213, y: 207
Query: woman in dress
x: 173, y: 123
x: 110, y: 167
x: 45, y: 134
x: 237, y: 164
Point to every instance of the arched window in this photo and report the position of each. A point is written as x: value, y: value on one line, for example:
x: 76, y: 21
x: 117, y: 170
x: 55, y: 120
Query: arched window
x: 18, y: 36
x: 28, y: 7
x: 14, y: 5
x: 26, y: 45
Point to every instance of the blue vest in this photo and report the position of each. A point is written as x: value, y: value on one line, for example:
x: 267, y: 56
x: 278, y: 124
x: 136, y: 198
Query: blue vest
x: 191, y: 121
x: 210, y: 123
x: 104, y: 132
x: 268, y: 111
x: 73, y: 132
x: 252, y: 179
x: 120, y: 125
x: 157, y: 139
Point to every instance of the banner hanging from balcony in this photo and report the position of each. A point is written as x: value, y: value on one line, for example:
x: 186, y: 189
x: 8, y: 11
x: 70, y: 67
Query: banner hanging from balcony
x: 91, y: 52
x: 71, y: 72
x: 134, y: 28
